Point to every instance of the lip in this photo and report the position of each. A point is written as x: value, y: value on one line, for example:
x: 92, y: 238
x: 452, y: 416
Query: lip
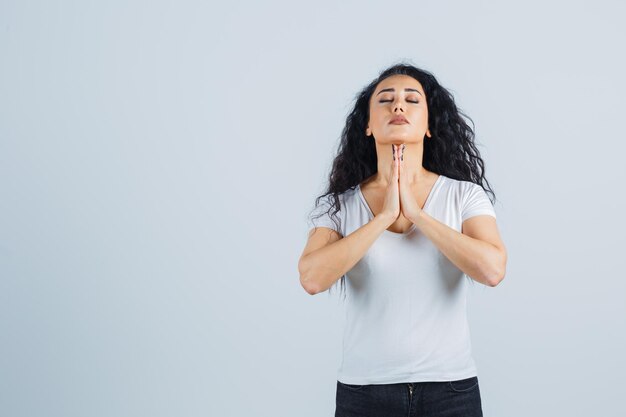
x: 398, y: 120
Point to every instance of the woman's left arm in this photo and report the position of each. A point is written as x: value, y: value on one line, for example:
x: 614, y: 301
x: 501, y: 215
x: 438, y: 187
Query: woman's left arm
x: 478, y: 251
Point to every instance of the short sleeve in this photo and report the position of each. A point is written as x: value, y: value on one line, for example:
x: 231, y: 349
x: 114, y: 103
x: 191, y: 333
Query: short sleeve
x: 476, y: 202
x: 321, y: 217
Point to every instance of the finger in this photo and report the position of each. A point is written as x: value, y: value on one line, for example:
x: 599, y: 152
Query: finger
x: 397, y: 167
x: 395, y: 157
x: 400, y: 164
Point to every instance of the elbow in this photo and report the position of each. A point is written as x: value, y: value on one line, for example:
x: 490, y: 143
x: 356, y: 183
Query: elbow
x: 309, y: 285
x: 311, y: 290
x: 497, y: 271
x: 496, y: 276
x: 494, y: 280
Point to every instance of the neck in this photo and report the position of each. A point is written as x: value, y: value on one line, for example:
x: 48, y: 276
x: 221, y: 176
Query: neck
x: 411, y: 163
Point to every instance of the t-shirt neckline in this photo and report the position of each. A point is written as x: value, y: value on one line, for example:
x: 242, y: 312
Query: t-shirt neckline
x: 410, y: 229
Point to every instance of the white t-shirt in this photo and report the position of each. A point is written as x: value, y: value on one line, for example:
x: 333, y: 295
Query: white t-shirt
x: 406, y: 318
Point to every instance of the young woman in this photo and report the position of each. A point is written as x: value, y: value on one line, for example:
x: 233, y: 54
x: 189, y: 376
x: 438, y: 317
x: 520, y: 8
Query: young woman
x: 405, y: 218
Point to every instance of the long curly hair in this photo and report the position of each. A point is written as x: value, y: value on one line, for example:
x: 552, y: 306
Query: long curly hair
x: 449, y: 151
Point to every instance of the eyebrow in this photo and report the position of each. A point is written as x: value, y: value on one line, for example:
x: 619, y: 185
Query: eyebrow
x: 392, y: 89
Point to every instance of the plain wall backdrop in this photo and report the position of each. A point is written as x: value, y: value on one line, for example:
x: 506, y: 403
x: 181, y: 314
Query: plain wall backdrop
x: 158, y: 161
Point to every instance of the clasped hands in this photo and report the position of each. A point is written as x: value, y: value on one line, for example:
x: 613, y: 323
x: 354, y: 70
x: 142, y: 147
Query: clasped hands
x: 399, y: 198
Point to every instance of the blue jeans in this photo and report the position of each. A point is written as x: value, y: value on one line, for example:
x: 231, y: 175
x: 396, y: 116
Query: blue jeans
x: 460, y: 398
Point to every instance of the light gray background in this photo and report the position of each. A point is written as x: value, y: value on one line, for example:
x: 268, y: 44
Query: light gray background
x: 158, y: 161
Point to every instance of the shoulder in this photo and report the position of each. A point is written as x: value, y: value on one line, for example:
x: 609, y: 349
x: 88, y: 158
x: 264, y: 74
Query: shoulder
x: 462, y: 187
x: 345, y: 196
x: 332, y: 212
x: 345, y: 200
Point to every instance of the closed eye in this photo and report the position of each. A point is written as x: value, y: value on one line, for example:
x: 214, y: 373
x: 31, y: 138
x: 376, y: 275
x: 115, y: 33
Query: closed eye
x: 410, y: 101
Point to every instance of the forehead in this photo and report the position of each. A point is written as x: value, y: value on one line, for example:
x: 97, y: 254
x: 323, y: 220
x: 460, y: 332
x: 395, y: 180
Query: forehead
x: 399, y: 83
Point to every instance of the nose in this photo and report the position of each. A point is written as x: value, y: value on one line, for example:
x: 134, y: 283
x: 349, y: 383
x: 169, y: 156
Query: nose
x: 398, y: 106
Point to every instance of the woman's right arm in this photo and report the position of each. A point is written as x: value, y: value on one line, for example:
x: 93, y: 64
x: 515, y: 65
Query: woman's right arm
x: 327, y: 256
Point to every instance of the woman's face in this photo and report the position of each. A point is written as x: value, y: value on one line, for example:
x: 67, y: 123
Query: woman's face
x: 398, y: 95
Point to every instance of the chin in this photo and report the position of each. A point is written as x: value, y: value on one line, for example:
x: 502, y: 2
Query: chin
x: 398, y: 140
